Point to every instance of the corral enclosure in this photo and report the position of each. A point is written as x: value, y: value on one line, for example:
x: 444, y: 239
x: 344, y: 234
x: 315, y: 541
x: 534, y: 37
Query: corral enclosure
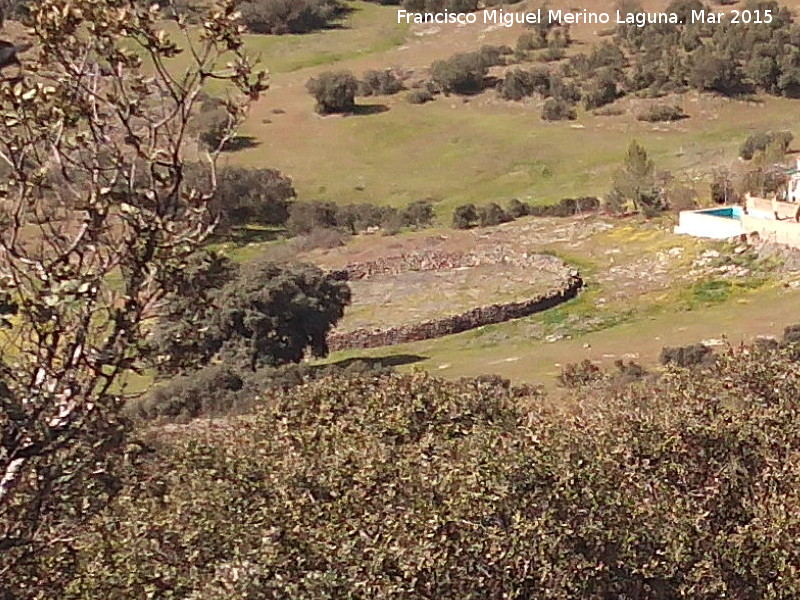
x: 432, y: 284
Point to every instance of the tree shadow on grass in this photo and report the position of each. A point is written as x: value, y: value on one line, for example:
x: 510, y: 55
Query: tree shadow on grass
x: 240, y: 142
x: 247, y: 235
x: 392, y: 360
x: 367, y: 109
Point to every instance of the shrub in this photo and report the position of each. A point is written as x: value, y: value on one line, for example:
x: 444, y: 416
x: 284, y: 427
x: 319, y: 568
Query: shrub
x: 491, y: 56
x: 213, y: 127
x: 465, y: 216
x: 212, y: 390
x: 288, y: 16
x: 492, y: 214
x: 661, y: 112
x: 530, y: 40
x: 552, y: 54
x: 417, y: 214
x: 517, y: 209
x: 609, y: 111
x: 305, y: 216
x: 791, y: 334
x: 358, y: 217
x: 379, y: 83
x: 756, y: 142
x: 564, y: 89
x: 566, y: 207
x: 558, y: 110
x: 420, y: 96
x: 248, y: 196
x: 686, y: 356
x: 334, y: 91
x: 520, y: 83
x: 319, y: 237
x: 628, y: 372
x: 601, y: 90
x: 460, y: 74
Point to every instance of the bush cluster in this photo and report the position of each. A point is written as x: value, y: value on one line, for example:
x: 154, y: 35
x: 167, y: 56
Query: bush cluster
x: 521, y: 83
x: 225, y: 390
x: 463, y: 73
x: 566, y: 207
x: 420, y: 96
x: 304, y: 217
x: 452, y: 6
x: 467, y: 216
x: 687, y: 356
x: 758, y: 142
x: 380, y: 83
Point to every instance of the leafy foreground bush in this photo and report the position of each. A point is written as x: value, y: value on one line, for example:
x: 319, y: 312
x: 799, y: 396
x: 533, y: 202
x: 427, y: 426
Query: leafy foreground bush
x: 224, y: 390
x: 410, y: 487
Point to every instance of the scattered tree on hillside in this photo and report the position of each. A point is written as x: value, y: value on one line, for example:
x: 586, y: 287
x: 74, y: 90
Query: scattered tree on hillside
x: 463, y: 73
x: 334, y: 91
x: 272, y: 313
x: 520, y: 83
x: 289, y: 16
x: 635, y: 182
x: 251, y: 197
x: 100, y: 134
x: 557, y: 109
x: 379, y: 83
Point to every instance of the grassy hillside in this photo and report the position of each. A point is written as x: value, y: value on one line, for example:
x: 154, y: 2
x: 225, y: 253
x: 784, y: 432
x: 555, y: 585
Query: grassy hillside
x: 465, y: 149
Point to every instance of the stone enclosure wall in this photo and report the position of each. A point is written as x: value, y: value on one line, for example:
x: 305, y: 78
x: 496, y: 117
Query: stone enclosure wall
x: 471, y: 319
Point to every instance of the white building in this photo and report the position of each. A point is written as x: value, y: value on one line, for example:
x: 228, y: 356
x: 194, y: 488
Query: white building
x: 793, y: 185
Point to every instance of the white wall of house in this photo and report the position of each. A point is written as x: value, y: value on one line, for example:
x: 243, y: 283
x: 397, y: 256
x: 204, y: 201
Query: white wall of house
x: 698, y: 224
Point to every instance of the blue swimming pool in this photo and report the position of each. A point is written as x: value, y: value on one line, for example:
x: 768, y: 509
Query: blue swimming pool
x: 728, y: 212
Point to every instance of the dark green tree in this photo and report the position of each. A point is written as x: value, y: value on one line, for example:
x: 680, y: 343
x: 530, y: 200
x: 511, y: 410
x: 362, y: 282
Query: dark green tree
x: 181, y: 341
x: 273, y: 313
x: 635, y: 181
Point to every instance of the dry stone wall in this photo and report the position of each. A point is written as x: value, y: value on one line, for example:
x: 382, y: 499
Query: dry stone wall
x: 476, y: 317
